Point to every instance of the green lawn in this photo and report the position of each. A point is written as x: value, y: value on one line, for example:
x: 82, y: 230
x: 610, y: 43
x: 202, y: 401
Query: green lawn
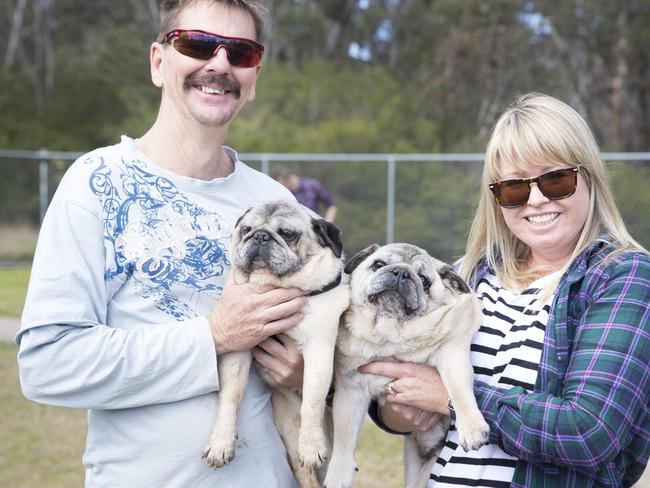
x: 42, y: 446
x: 13, y: 286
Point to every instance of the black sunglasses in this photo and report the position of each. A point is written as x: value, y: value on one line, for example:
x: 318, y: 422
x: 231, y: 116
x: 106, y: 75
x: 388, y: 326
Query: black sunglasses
x: 198, y: 44
x: 554, y: 185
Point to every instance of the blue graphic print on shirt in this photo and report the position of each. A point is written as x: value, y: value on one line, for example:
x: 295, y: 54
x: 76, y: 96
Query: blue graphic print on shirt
x: 158, y: 236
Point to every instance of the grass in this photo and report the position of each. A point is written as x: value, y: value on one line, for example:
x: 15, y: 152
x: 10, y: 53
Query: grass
x: 17, y: 242
x: 13, y: 286
x: 42, y: 446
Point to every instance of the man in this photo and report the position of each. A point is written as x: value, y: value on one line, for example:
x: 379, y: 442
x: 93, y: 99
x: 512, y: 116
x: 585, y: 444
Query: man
x: 308, y: 191
x: 120, y: 316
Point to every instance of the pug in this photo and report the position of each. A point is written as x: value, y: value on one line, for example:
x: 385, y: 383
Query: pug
x: 404, y: 306
x: 284, y: 244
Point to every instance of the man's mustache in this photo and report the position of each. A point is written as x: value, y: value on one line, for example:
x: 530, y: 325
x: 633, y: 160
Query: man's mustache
x: 223, y: 81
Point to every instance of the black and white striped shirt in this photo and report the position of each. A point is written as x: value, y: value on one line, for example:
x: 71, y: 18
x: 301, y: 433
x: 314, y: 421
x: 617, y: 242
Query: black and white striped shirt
x: 505, y: 352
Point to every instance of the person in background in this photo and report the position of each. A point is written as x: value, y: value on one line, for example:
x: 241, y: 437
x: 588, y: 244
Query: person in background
x: 120, y: 316
x: 308, y: 191
x: 561, y: 358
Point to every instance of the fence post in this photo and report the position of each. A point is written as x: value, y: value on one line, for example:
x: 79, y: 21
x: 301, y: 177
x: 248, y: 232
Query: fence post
x: 390, y: 203
x: 265, y: 164
x: 43, y: 190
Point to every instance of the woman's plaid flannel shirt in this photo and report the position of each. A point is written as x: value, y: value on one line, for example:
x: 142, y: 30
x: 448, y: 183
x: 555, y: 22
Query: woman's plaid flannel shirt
x: 586, y: 424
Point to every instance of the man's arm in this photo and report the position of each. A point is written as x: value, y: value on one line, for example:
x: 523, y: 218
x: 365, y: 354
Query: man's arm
x: 70, y: 357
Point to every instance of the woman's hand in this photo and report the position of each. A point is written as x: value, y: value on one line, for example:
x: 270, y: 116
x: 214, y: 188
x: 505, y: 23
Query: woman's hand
x: 403, y: 418
x: 282, y: 359
x: 416, y: 397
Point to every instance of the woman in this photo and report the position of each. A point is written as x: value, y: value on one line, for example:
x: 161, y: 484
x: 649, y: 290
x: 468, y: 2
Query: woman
x: 561, y: 359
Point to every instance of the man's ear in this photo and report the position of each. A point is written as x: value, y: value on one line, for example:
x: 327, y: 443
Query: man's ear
x: 328, y: 235
x: 452, y: 280
x: 358, y: 258
x: 155, y: 64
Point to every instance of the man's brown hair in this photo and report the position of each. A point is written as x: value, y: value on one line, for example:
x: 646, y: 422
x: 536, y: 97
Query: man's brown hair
x: 171, y: 9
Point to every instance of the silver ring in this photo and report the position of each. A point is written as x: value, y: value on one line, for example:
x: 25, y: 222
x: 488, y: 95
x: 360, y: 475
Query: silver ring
x: 390, y: 389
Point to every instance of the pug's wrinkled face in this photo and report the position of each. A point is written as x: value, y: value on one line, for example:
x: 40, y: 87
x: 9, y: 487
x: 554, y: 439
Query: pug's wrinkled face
x: 401, y: 281
x: 279, y: 237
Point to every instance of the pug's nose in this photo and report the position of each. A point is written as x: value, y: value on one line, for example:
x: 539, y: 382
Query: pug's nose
x: 401, y: 274
x: 261, y: 237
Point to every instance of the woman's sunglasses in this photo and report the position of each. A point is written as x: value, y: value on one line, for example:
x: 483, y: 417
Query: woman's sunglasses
x: 554, y: 185
x: 198, y: 44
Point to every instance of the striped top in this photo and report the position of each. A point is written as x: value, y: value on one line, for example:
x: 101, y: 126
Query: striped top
x: 505, y: 352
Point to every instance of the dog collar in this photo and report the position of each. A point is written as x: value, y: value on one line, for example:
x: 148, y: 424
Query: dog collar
x: 328, y: 287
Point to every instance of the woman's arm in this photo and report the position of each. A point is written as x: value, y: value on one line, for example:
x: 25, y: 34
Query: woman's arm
x: 606, y: 387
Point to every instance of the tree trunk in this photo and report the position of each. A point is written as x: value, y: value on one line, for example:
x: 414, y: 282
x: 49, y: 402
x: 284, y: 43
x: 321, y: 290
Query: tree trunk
x: 14, y: 34
x: 619, y: 78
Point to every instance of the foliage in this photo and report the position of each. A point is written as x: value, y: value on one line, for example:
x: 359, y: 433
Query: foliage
x: 394, y: 76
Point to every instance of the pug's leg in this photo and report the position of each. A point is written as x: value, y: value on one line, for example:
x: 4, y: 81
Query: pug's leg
x: 349, y: 409
x: 318, y: 354
x: 286, y: 414
x: 233, y: 379
x: 412, y: 460
x: 458, y: 377
x: 420, y: 453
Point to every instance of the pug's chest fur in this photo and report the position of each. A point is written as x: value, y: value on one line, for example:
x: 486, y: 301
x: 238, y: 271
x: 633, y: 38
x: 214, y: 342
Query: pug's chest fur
x: 321, y: 315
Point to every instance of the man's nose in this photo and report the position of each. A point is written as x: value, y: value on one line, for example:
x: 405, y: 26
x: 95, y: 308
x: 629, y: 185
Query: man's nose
x: 219, y: 61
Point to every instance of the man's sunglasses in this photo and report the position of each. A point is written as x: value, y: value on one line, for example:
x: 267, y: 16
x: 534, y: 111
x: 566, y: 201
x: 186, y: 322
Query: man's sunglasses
x: 554, y: 185
x: 198, y: 44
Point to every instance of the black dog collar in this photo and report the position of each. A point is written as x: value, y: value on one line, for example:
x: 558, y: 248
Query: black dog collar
x: 328, y: 287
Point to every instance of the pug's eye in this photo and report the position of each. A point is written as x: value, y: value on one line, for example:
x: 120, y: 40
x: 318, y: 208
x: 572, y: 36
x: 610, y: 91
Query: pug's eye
x: 377, y: 264
x: 426, y: 282
x: 289, y: 236
x: 244, y: 229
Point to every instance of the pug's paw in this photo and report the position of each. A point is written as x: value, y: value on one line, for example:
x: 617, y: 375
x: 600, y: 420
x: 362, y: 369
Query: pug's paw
x: 219, y: 453
x: 312, y: 449
x: 473, y: 434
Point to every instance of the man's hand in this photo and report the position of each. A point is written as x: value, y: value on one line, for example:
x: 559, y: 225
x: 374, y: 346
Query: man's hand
x: 247, y: 314
x: 280, y: 356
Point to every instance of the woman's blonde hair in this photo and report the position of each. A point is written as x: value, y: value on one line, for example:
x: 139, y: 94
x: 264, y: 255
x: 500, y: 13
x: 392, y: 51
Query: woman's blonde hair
x: 539, y: 129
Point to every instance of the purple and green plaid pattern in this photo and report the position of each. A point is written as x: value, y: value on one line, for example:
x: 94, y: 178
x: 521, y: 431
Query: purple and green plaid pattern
x: 587, y: 423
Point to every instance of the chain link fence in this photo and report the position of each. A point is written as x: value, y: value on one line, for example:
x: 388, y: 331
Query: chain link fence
x: 426, y: 199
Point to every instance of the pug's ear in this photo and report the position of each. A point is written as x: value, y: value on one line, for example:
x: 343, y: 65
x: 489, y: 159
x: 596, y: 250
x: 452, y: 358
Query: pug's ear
x: 358, y: 258
x: 328, y: 235
x: 452, y: 280
x: 242, y: 216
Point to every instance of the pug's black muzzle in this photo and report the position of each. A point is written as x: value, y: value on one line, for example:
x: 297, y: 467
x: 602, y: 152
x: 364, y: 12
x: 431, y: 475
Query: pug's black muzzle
x: 397, y: 288
x: 258, y: 249
x: 262, y: 251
